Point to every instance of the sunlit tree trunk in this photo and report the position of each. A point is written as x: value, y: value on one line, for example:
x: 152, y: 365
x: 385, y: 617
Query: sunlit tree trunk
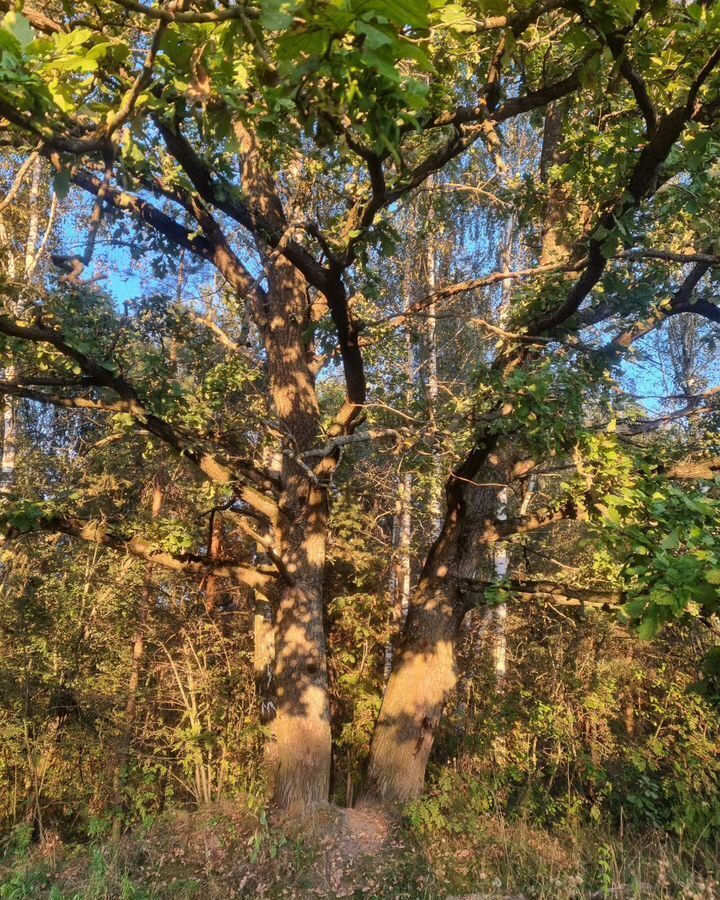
x: 301, y: 727
x: 401, y: 567
x: 402, y: 525
x: 302, y: 723
x: 425, y: 673
x: 214, y: 586
x: 10, y: 425
x: 499, y: 613
x: 431, y: 365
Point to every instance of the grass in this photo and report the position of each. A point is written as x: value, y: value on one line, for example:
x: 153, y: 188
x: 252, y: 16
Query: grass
x: 227, y: 851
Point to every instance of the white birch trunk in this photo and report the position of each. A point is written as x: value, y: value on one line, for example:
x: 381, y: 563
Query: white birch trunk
x: 431, y: 362
x: 401, y: 570
x: 10, y: 428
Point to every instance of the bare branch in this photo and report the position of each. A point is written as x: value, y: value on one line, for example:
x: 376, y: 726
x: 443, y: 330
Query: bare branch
x: 19, y: 178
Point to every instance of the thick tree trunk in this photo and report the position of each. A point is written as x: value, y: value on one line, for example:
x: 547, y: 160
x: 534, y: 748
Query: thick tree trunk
x: 301, y: 727
x: 425, y: 671
x: 402, y: 565
x: 302, y: 723
x: 422, y: 680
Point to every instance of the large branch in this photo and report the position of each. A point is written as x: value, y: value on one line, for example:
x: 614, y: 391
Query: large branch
x: 641, y: 184
x: 553, y: 592
x: 186, y: 563
x: 695, y: 470
x: 682, y: 301
x: 269, y: 229
x: 36, y: 18
x: 180, y: 15
x: 514, y: 106
x: 466, y: 134
x: 211, y: 466
x: 495, y: 530
x: 142, y: 210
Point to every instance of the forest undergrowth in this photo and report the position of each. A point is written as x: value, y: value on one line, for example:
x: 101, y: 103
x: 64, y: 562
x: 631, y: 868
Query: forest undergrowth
x: 226, y: 850
x: 593, y: 773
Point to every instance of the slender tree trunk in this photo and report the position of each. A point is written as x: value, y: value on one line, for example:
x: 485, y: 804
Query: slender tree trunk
x: 499, y: 613
x: 214, y: 589
x: 10, y: 425
x: 431, y: 362
x: 402, y: 526
x: 497, y: 617
x: 138, y: 655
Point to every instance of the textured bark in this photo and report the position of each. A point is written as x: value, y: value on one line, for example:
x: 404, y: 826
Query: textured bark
x: 301, y: 727
x: 425, y: 671
x: 431, y: 365
x: 553, y: 247
x: 214, y: 590
x: 423, y: 677
x: 401, y: 568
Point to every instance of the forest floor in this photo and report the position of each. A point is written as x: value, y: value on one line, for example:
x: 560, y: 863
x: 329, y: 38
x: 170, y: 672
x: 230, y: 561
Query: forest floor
x: 226, y: 852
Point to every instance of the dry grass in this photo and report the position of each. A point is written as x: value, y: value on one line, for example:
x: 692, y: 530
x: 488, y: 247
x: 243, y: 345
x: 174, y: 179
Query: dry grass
x: 228, y: 851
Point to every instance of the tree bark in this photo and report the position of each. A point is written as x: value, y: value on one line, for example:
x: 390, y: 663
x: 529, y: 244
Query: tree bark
x: 301, y: 727
x: 425, y: 671
x: 423, y: 677
x: 401, y: 567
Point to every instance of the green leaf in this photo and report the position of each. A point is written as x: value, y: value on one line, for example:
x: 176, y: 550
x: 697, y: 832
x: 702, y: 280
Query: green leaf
x: 374, y: 36
x: 61, y: 183
x: 636, y: 607
x: 276, y: 15
x: 413, y: 13
x: 649, y: 626
x: 73, y: 40
x: 19, y: 28
x: 455, y: 18
x: 713, y: 576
